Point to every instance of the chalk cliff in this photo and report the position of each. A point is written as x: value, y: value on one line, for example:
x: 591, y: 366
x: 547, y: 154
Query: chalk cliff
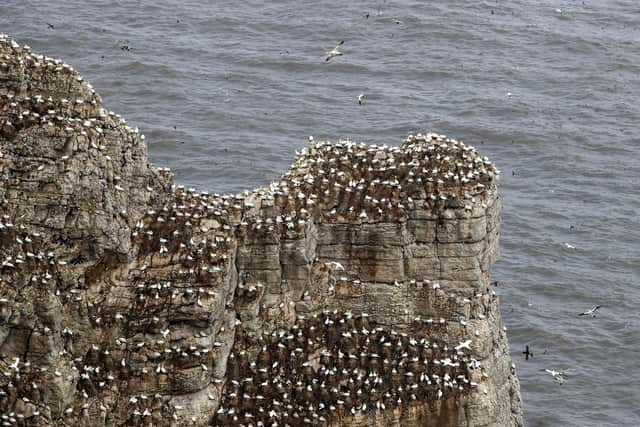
x: 354, y: 291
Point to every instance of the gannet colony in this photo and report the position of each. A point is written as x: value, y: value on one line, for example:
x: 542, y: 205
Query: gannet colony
x: 353, y: 291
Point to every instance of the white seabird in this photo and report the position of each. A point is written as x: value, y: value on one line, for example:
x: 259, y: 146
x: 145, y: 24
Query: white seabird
x: 559, y: 376
x: 466, y: 344
x: 335, y: 265
x: 591, y: 312
x: 335, y: 52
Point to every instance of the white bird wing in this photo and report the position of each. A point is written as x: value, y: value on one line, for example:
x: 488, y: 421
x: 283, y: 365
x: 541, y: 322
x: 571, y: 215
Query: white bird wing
x: 335, y: 49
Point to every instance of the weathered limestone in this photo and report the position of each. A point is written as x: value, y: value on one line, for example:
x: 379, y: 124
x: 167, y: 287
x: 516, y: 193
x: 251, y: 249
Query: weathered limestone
x: 354, y: 291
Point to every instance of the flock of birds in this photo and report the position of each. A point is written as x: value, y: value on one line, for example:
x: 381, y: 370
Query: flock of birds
x: 386, y: 367
x: 361, y: 367
x: 324, y: 366
x: 561, y: 376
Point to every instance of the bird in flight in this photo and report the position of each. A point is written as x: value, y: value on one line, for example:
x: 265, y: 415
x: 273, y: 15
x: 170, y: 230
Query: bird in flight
x: 527, y: 353
x: 592, y: 312
x: 559, y: 376
x: 51, y: 26
x: 335, y: 52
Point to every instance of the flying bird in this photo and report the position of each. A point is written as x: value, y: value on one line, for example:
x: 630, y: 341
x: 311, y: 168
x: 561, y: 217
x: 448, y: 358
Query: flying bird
x: 559, y: 376
x: 335, y: 52
x: 527, y: 353
x: 592, y: 312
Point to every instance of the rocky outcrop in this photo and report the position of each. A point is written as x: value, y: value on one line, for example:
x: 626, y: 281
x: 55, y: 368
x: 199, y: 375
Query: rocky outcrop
x: 353, y: 291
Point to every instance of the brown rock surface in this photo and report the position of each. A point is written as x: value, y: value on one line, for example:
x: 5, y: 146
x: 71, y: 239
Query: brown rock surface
x: 354, y: 291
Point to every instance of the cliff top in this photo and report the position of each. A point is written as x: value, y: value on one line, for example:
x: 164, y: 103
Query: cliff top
x: 431, y: 170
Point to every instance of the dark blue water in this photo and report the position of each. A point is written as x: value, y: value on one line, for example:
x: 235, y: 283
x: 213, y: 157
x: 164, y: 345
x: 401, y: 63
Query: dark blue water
x: 226, y: 91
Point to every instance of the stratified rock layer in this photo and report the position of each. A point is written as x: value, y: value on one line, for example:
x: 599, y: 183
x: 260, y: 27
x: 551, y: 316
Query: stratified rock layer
x: 354, y: 291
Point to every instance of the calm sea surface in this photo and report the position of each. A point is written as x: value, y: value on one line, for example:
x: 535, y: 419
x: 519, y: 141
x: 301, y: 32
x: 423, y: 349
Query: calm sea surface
x: 226, y: 91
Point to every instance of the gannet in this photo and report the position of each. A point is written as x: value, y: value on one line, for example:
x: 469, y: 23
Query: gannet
x: 335, y: 51
x: 591, y: 312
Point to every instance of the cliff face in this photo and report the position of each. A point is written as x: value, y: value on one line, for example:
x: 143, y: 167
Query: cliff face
x: 354, y: 291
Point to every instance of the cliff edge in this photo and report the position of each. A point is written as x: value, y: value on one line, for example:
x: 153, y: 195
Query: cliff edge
x: 354, y: 291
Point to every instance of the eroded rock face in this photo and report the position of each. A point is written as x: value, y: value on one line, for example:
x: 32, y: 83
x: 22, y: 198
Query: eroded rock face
x: 354, y: 291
